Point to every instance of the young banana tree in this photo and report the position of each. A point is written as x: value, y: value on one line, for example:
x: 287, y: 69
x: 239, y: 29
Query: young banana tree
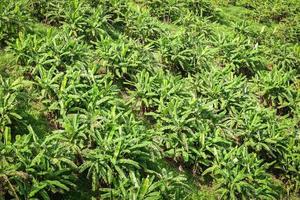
x: 14, y: 18
x: 241, y: 175
x: 34, y: 167
x: 10, y: 92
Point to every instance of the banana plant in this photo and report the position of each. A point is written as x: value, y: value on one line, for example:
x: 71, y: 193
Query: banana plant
x: 241, y: 53
x: 117, y: 154
x: 123, y: 58
x: 9, y: 95
x: 177, y: 123
x: 14, y: 18
x: 188, y: 133
x: 144, y: 96
x: 56, y: 49
x: 116, y: 10
x: 97, y: 24
x: 163, y: 186
x: 147, y: 188
x: 277, y: 89
x: 85, y: 108
x: 178, y: 53
x: 84, y: 21
x: 150, y: 91
x: 284, y: 56
x: 48, y: 12
x: 195, y: 24
x: 241, y: 175
x: 172, y: 10
x: 261, y: 131
x: 48, y: 81
x: 222, y: 88
x: 167, y: 11
x: 201, y: 8
x: 289, y: 166
x: 34, y: 167
x: 26, y: 48
x: 140, y: 26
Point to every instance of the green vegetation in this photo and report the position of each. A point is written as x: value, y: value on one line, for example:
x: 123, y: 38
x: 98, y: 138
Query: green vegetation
x: 149, y: 99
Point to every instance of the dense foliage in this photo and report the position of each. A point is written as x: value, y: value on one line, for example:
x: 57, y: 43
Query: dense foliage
x: 149, y: 99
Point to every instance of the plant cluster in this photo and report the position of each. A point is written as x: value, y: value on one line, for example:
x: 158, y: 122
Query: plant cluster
x: 149, y: 99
